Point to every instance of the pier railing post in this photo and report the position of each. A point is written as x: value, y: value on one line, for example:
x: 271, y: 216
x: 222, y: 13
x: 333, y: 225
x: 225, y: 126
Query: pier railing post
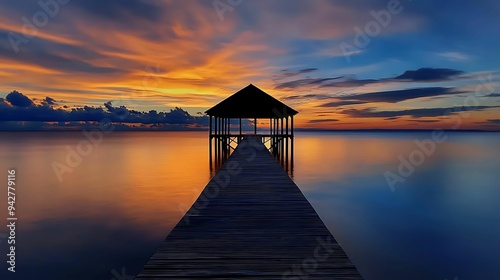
x: 210, y: 140
x: 239, y: 137
x: 255, y: 125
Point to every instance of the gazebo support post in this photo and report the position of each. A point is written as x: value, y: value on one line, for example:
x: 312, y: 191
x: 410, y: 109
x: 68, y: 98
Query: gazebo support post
x: 291, y: 144
x: 282, y: 141
x: 210, y: 140
x: 255, y: 125
x: 286, y: 144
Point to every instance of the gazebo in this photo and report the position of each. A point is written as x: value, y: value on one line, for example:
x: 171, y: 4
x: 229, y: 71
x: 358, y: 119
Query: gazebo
x: 251, y: 103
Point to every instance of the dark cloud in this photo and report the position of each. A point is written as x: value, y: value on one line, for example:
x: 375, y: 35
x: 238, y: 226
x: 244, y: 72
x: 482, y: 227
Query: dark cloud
x: 416, y: 113
x: 49, y: 101
x: 419, y: 75
x: 424, y: 121
x: 121, y: 9
x: 323, y: 120
x: 429, y: 75
x: 287, y: 73
x: 493, y: 95
x: 342, y: 103
x: 494, y: 121
x: 404, y: 94
x: 18, y: 107
x: 308, y: 70
x: 303, y: 82
x: 50, y: 58
x: 120, y: 111
x: 305, y: 96
x: 18, y: 99
x: 390, y: 96
x: 349, y: 82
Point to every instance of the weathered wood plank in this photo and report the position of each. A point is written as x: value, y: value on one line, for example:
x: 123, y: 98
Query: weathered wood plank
x: 251, y: 221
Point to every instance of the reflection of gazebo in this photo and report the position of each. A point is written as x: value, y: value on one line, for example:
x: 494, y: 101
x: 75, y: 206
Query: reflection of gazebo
x: 251, y: 103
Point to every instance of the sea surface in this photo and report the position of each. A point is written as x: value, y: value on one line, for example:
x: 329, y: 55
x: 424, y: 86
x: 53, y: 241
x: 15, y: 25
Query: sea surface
x: 100, y: 211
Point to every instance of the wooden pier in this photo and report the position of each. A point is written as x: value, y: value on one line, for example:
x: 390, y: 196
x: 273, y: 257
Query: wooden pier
x: 250, y: 222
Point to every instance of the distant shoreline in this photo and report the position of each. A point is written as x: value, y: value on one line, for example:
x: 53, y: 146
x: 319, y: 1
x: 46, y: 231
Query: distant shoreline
x: 300, y: 130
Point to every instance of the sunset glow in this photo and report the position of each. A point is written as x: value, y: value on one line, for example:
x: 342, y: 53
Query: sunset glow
x: 341, y: 64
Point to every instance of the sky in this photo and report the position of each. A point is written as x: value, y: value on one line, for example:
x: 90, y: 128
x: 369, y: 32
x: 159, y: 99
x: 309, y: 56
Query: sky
x: 342, y: 64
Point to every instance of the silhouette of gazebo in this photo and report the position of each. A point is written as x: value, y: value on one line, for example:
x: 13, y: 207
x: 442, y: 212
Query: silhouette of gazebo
x: 251, y: 103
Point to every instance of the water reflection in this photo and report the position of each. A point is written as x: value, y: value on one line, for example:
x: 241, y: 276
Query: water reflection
x: 110, y: 211
x: 440, y: 223
x: 115, y: 208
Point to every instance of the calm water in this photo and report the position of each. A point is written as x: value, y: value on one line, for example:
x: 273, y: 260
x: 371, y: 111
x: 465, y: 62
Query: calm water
x: 114, y: 206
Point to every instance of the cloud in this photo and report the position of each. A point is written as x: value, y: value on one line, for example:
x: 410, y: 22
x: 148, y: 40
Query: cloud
x: 49, y: 101
x: 121, y: 9
x: 390, y: 96
x: 18, y: 99
x: 323, y: 120
x: 454, y: 56
x: 416, y: 113
x: 419, y: 75
x: 305, y: 96
x: 494, y: 121
x: 343, y: 103
x: 321, y: 19
x: 429, y: 75
x: 304, y: 82
x: 18, y: 107
x: 424, y: 121
x: 350, y: 82
x: 493, y: 95
x: 91, y: 45
x: 286, y: 73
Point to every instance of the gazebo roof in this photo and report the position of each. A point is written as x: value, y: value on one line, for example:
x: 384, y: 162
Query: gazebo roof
x: 251, y: 102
